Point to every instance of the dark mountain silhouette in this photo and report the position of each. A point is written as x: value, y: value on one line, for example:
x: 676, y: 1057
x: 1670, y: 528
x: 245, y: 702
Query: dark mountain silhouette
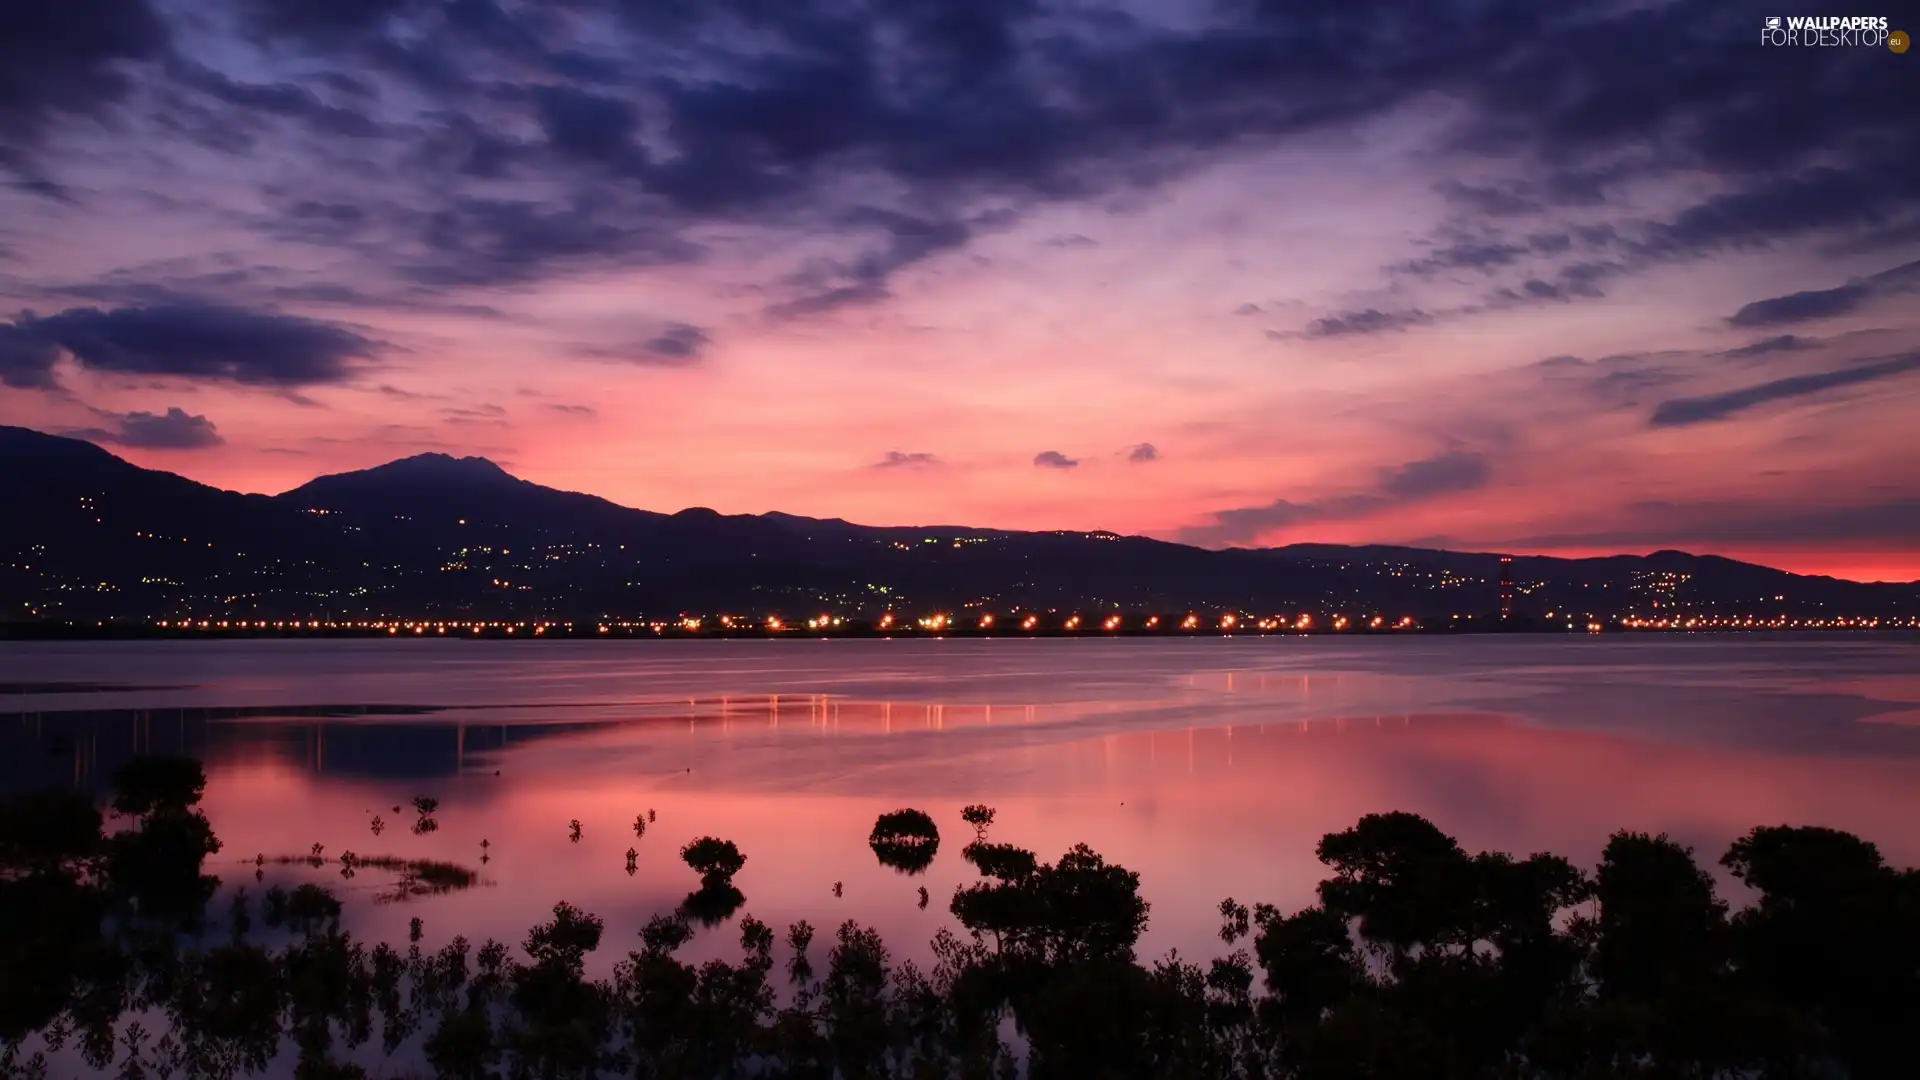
x: 89, y: 536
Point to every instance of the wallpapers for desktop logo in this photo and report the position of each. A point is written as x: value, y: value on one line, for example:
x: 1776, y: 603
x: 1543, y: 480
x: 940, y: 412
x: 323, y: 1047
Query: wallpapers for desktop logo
x: 1832, y: 31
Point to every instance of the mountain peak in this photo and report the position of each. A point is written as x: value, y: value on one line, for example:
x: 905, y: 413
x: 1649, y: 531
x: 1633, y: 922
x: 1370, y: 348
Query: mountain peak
x: 432, y: 468
x: 448, y: 465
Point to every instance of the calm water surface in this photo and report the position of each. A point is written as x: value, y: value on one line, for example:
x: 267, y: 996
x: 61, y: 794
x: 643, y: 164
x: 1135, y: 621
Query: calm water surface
x: 1210, y: 766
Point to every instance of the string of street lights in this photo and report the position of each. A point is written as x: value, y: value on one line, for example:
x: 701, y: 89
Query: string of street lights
x: 1012, y: 624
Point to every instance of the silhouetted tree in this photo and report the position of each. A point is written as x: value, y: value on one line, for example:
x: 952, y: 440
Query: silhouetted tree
x: 716, y: 861
x: 978, y: 816
x: 1003, y: 861
x: 906, y: 840
x: 148, y: 785
x: 42, y: 832
x: 1837, y: 933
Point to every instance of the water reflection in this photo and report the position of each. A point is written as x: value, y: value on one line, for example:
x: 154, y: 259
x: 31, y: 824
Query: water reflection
x: 1417, y: 958
x: 1212, y: 768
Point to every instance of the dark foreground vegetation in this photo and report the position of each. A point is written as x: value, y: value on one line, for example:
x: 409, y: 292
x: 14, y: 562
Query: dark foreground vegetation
x: 1420, y: 961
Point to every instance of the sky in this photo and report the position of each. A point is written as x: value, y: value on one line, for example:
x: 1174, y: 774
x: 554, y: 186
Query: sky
x: 1570, y: 278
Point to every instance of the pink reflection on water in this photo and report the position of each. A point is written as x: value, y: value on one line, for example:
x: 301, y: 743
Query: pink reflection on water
x: 1200, y: 812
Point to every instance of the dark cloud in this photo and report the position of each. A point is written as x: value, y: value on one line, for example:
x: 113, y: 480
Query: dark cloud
x: 574, y: 410
x: 1767, y: 346
x: 1802, y: 306
x: 331, y: 22
x: 27, y: 359
x: 1487, y: 200
x: 1620, y: 381
x: 1679, y: 412
x: 1531, y: 291
x: 590, y: 127
x: 486, y: 240
x: 1779, y: 208
x: 674, y: 345
x: 1447, y: 473
x: 172, y: 430
x: 679, y: 342
x: 896, y: 459
x: 1140, y: 453
x: 585, y: 134
x: 1455, y: 470
x: 1662, y: 524
x: 483, y: 415
x: 1482, y: 256
x: 68, y: 58
x: 1812, y: 304
x: 1073, y: 240
x: 282, y: 101
x: 1054, y: 459
x: 1369, y: 321
x: 908, y: 239
x: 185, y: 340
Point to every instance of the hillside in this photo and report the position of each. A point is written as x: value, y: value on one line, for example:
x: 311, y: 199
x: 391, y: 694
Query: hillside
x: 90, y: 536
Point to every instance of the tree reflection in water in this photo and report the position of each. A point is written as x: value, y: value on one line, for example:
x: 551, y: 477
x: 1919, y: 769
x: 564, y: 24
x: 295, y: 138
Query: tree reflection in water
x: 1420, y: 960
x: 906, y: 840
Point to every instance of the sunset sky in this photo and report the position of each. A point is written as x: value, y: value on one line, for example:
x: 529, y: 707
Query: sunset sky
x: 1568, y: 277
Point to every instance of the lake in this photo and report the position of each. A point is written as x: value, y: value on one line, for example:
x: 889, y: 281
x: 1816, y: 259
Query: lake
x: 1209, y: 766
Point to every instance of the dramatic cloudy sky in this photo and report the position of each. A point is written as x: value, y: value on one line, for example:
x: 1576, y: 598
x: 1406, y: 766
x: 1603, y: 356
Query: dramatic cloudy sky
x: 1567, y: 277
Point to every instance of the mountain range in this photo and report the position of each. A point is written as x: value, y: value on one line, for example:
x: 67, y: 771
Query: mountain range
x: 88, y: 536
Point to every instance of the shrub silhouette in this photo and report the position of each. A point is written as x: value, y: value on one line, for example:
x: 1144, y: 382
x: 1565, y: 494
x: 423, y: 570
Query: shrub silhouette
x: 904, y: 827
x: 44, y: 831
x: 148, y: 785
x: 1079, y: 908
x: 978, y: 816
x: 906, y: 840
x: 1003, y: 861
x: 716, y: 861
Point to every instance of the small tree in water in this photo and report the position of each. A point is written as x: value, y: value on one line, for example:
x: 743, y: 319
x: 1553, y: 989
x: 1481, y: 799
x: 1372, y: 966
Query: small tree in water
x: 905, y: 840
x: 716, y: 861
x: 980, y: 817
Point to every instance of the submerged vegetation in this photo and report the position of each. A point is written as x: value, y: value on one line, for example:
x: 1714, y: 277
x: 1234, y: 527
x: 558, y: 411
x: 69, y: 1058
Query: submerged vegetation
x: 412, y: 877
x: 1420, y: 960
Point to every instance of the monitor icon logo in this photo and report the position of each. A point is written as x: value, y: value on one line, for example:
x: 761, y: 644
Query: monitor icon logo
x: 1773, y: 23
